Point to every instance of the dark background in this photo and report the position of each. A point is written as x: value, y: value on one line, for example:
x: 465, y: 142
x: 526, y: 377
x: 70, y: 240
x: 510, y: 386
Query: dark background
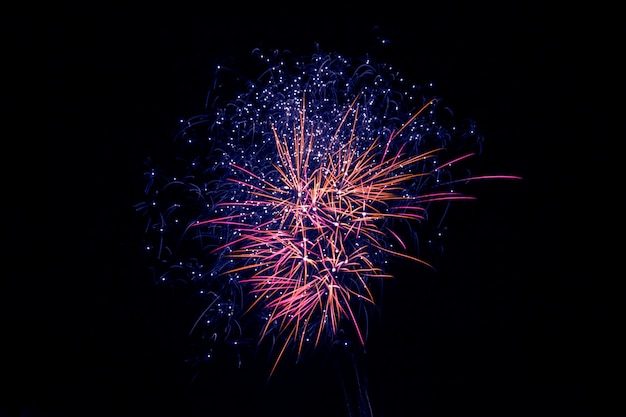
x: 524, y: 315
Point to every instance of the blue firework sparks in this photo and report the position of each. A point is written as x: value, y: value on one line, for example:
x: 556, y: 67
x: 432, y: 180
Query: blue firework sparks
x: 283, y: 202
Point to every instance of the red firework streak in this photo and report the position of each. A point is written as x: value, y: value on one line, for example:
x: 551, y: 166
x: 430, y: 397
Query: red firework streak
x: 299, y: 264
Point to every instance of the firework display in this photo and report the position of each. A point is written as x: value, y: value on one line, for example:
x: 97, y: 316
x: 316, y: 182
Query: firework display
x: 282, y: 204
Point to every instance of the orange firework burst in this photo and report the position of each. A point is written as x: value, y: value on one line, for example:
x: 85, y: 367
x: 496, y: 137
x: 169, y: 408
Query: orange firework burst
x: 315, y: 256
x: 286, y: 201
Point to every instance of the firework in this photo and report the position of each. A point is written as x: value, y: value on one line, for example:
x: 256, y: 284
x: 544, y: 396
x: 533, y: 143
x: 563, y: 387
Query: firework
x: 286, y: 199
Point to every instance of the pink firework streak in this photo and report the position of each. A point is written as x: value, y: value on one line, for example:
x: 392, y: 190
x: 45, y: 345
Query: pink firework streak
x: 283, y: 204
x: 300, y: 263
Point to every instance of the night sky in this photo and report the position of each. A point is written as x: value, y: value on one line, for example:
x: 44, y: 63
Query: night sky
x: 521, y: 318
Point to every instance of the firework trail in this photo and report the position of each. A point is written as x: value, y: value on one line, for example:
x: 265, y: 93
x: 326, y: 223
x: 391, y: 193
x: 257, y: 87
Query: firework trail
x: 281, y: 205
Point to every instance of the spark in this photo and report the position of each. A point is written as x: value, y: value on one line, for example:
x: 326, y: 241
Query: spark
x: 293, y: 196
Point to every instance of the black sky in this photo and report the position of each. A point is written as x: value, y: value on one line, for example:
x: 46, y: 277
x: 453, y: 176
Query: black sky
x: 523, y: 316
